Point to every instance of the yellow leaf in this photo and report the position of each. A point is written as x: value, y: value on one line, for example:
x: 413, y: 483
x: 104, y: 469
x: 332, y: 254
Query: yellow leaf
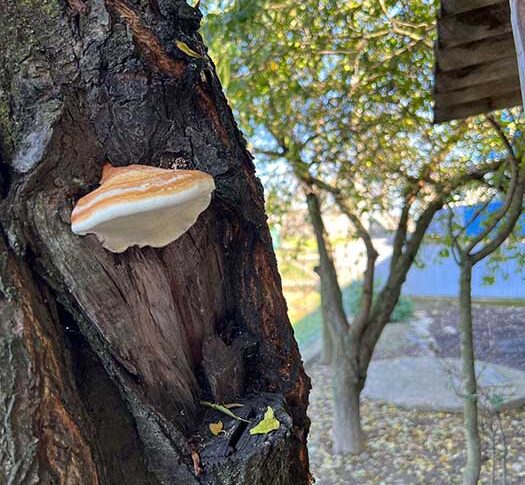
x: 267, y: 424
x: 273, y: 65
x: 216, y: 428
x: 187, y: 50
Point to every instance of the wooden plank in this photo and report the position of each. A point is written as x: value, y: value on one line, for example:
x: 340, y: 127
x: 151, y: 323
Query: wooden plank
x: 476, y: 92
x: 477, y: 52
x: 474, y: 25
x: 478, y: 74
x: 452, y: 7
x: 465, y: 110
x: 518, y: 29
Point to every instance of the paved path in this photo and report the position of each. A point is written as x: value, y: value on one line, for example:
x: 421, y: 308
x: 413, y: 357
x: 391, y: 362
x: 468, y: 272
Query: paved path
x: 430, y: 383
x: 423, y: 381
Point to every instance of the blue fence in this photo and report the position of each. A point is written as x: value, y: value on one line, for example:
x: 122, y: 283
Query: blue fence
x: 439, y: 277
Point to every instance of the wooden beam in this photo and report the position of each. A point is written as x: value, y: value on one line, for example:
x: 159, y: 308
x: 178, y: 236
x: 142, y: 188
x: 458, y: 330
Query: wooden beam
x: 518, y: 28
x: 477, y: 52
x: 479, y: 74
x: 477, y: 92
x: 465, y: 110
x: 452, y: 7
x: 474, y: 25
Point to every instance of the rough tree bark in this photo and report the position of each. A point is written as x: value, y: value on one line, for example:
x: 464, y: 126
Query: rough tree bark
x: 104, y: 357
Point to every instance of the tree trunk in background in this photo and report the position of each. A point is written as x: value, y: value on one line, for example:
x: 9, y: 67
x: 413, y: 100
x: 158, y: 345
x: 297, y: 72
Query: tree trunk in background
x: 347, y: 385
x: 348, y: 433
x: 331, y: 295
x: 472, y: 468
x: 327, y: 350
x: 104, y: 357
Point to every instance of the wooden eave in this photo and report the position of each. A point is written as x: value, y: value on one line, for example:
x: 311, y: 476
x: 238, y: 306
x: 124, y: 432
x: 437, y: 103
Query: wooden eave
x: 476, y: 65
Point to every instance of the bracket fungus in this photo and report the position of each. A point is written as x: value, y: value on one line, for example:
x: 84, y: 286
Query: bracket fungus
x: 141, y: 205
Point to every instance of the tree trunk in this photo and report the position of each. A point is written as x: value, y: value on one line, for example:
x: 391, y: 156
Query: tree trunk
x: 470, y: 409
x: 348, y: 434
x: 327, y: 351
x: 332, y: 310
x: 104, y: 357
x: 347, y: 385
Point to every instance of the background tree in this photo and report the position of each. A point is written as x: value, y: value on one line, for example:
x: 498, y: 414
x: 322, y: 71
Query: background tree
x: 340, y: 94
x: 469, y: 251
x: 104, y: 357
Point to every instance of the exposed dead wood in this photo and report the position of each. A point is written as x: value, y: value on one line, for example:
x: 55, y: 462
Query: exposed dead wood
x: 146, y: 39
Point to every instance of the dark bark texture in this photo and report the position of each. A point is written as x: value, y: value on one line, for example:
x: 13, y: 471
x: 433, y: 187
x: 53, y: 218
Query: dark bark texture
x: 104, y: 357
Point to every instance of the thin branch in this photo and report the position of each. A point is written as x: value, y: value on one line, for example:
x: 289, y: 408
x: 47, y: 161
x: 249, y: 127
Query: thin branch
x: 338, y: 325
x: 345, y: 209
x: 269, y: 153
x: 455, y: 244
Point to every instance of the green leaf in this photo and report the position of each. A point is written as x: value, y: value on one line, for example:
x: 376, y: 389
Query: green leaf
x: 267, y: 424
x: 224, y: 410
x: 187, y: 50
x: 489, y: 280
x: 444, y: 253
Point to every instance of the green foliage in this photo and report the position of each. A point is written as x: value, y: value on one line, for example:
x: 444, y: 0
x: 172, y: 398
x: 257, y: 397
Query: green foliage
x: 404, y: 310
x: 352, y: 296
x: 343, y: 91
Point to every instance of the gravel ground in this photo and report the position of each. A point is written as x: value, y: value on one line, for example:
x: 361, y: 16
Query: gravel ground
x: 406, y: 447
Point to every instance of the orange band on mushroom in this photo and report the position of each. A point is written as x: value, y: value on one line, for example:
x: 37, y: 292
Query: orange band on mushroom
x: 141, y: 205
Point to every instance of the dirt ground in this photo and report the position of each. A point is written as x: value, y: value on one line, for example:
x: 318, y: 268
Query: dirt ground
x: 413, y: 447
x: 499, y: 331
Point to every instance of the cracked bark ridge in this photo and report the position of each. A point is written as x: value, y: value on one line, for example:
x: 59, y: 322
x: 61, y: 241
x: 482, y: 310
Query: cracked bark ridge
x: 104, y: 357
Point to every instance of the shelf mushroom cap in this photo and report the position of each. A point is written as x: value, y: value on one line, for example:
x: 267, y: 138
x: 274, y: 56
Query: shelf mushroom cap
x: 142, y: 206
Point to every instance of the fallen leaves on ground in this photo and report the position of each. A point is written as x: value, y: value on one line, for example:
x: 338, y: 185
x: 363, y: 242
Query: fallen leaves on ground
x: 405, y: 447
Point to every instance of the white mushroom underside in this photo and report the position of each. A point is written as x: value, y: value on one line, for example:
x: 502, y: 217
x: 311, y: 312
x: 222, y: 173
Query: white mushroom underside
x: 155, y: 222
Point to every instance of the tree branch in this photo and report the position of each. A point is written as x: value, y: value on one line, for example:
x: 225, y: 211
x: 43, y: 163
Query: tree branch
x: 339, y: 324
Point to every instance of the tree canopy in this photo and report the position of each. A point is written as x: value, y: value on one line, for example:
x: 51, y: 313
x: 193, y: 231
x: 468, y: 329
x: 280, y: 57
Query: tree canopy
x: 342, y: 91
